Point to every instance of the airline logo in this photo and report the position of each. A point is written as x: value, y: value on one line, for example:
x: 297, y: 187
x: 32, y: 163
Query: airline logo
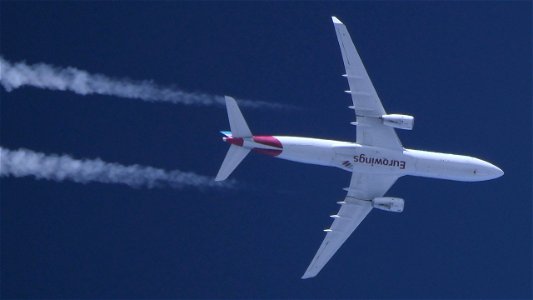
x: 363, y: 159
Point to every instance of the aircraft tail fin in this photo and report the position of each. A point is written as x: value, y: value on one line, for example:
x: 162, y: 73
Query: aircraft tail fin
x: 239, y: 130
x: 237, y: 123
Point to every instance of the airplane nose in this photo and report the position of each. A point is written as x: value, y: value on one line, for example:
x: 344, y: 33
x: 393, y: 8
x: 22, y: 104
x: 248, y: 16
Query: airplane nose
x: 497, y: 172
x: 488, y: 171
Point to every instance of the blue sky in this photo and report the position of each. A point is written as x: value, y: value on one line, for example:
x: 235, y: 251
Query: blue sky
x: 462, y: 69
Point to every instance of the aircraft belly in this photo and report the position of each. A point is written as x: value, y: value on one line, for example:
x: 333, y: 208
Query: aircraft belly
x: 308, y: 150
x: 310, y: 154
x: 347, y: 156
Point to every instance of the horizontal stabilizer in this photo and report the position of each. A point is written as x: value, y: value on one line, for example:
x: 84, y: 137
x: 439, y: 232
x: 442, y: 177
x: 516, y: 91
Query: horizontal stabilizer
x: 237, y: 123
x: 233, y: 158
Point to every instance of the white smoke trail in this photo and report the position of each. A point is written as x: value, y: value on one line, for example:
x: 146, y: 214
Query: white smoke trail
x: 23, y: 162
x: 16, y: 75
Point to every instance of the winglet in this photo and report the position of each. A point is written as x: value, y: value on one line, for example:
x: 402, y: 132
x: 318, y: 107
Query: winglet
x: 335, y: 20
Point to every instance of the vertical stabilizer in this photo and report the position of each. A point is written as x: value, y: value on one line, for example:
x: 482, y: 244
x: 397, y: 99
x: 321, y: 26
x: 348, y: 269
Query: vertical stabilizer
x: 233, y: 158
x: 238, y: 125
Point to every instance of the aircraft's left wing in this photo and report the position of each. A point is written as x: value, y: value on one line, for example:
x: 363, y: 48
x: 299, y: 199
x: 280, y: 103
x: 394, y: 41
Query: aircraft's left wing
x: 356, y: 206
x: 366, y: 103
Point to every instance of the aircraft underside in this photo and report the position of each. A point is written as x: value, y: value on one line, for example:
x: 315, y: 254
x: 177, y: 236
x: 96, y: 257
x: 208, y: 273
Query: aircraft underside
x: 376, y: 160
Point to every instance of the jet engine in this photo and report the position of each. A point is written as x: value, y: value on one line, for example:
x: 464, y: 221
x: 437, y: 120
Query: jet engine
x: 398, y: 121
x: 388, y: 204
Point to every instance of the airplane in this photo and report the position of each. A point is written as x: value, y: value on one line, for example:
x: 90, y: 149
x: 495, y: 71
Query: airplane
x: 376, y: 160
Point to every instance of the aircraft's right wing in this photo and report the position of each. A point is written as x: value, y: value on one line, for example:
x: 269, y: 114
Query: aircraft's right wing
x: 356, y: 206
x: 366, y: 103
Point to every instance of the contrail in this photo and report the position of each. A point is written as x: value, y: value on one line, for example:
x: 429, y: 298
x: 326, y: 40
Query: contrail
x: 23, y: 162
x: 16, y: 75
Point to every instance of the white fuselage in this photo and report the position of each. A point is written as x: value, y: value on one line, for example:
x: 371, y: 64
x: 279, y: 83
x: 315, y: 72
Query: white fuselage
x: 354, y: 157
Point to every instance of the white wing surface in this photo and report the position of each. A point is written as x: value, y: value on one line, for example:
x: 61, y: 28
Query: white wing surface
x: 233, y: 158
x: 366, y: 103
x: 356, y: 206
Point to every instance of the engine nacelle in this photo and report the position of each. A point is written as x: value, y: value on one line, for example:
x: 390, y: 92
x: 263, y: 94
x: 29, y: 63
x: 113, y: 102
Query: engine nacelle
x: 388, y: 204
x: 399, y: 121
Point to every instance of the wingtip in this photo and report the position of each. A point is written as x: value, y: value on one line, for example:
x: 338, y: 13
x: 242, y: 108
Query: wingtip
x: 335, y: 20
